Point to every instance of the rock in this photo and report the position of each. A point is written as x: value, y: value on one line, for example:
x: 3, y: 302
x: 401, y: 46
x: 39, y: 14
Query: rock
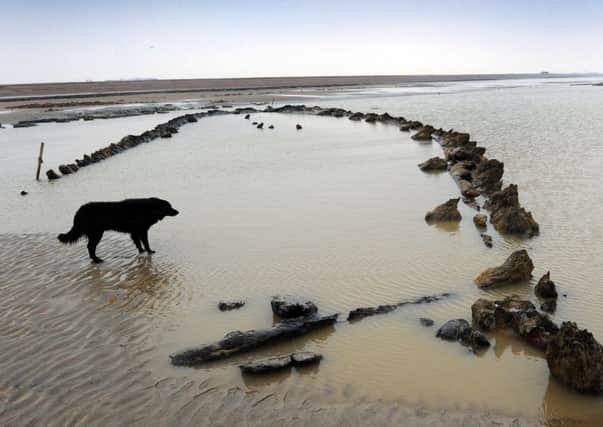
x: 247, y: 116
x: 271, y: 127
x: 518, y: 266
x: 488, y: 174
x: 480, y: 220
x: 458, y: 154
x: 423, y: 134
x: 356, y: 116
x: 333, y: 112
x: 460, y: 330
x: 230, y: 305
x: 280, y: 362
x: 517, y: 314
x: 405, y: 127
x: 426, y: 322
x: 370, y: 117
x: 445, y: 212
x: 298, y: 126
x: 65, y: 170
x: 453, y: 330
x: 549, y: 306
x: 362, y: 312
x: 462, y: 170
x: 260, y: 126
x: 508, y: 216
x: 454, y: 139
x: 487, y: 239
x: 545, y: 288
x: 266, y: 365
x: 289, y: 307
x: 472, y: 203
x: 576, y: 359
x: 387, y: 118
x: 305, y: 358
x: 434, y: 164
x: 52, y: 175
x: 483, y: 313
x: 475, y: 339
x: 254, y: 123
x: 238, y: 342
x: 24, y: 193
x: 467, y: 189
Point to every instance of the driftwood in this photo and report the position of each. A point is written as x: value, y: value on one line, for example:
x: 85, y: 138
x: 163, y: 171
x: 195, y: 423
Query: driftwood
x: 281, y: 362
x: 239, y: 342
x: 362, y: 312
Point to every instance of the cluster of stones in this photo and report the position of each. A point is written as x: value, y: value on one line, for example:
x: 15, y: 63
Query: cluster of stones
x: 163, y: 130
x: 474, y: 173
x: 573, y: 355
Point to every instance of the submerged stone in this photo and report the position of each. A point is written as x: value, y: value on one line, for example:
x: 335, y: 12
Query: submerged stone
x: 508, y: 216
x: 480, y: 220
x: 281, y: 362
x: 426, y: 322
x: 447, y: 211
x: 517, y: 314
x: 487, y: 239
x: 545, y: 288
x: 460, y: 330
x: 518, y: 266
x: 52, y: 175
x: 230, y: 305
x: 433, y: 164
x: 575, y: 358
x: 289, y: 307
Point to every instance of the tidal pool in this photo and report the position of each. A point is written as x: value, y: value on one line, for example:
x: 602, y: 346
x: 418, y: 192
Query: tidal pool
x: 333, y: 213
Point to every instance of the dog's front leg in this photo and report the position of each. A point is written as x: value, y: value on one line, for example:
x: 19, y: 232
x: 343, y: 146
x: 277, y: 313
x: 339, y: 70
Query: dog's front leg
x: 136, y: 240
x: 145, y: 241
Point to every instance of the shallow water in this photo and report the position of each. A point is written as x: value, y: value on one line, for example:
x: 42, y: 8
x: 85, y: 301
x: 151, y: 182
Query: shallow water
x: 333, y: 213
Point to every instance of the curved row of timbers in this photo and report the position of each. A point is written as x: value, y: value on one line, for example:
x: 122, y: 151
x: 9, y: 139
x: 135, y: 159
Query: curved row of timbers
x: 474, y: 173
x: 573, y: 354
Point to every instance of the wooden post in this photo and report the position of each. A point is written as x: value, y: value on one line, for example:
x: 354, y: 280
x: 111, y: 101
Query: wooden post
x: 40, y: 161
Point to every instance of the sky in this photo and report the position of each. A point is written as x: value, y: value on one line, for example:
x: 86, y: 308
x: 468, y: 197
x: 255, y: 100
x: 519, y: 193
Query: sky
x: 68, y: 40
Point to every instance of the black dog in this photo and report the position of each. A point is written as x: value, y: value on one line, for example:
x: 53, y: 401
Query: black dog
x: 133, y: 216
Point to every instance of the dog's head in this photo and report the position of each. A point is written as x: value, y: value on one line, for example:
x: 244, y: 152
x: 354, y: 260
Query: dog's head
x: 162, y: 208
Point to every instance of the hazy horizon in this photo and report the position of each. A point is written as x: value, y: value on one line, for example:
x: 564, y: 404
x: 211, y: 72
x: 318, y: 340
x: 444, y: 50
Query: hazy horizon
x: 68, y: 41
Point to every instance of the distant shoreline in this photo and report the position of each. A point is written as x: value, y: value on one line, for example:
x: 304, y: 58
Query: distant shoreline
x: 38, y: 91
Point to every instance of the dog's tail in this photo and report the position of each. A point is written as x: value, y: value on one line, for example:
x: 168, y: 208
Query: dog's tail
x: 71, y: 236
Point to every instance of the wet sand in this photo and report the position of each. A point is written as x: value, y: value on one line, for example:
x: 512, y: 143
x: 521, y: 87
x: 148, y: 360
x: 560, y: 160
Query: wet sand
x: 101, y: 88
x: 79, y: 342
x: 50, y: 96
x: 96, y: 338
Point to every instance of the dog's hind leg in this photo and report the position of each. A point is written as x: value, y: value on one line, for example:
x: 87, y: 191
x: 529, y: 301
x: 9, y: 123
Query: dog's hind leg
x: 145, y: 241
x: 136, y: 239
x: 93, y: 239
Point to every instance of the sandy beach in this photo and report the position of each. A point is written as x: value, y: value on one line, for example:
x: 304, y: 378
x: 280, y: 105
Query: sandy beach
x: 326, y: 212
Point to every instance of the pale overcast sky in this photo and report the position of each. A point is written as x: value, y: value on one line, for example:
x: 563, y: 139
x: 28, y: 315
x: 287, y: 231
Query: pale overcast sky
x: 68, y: 40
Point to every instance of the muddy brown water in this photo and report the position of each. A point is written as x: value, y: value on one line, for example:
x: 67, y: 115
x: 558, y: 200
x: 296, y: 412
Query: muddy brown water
x: 333, y: 213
